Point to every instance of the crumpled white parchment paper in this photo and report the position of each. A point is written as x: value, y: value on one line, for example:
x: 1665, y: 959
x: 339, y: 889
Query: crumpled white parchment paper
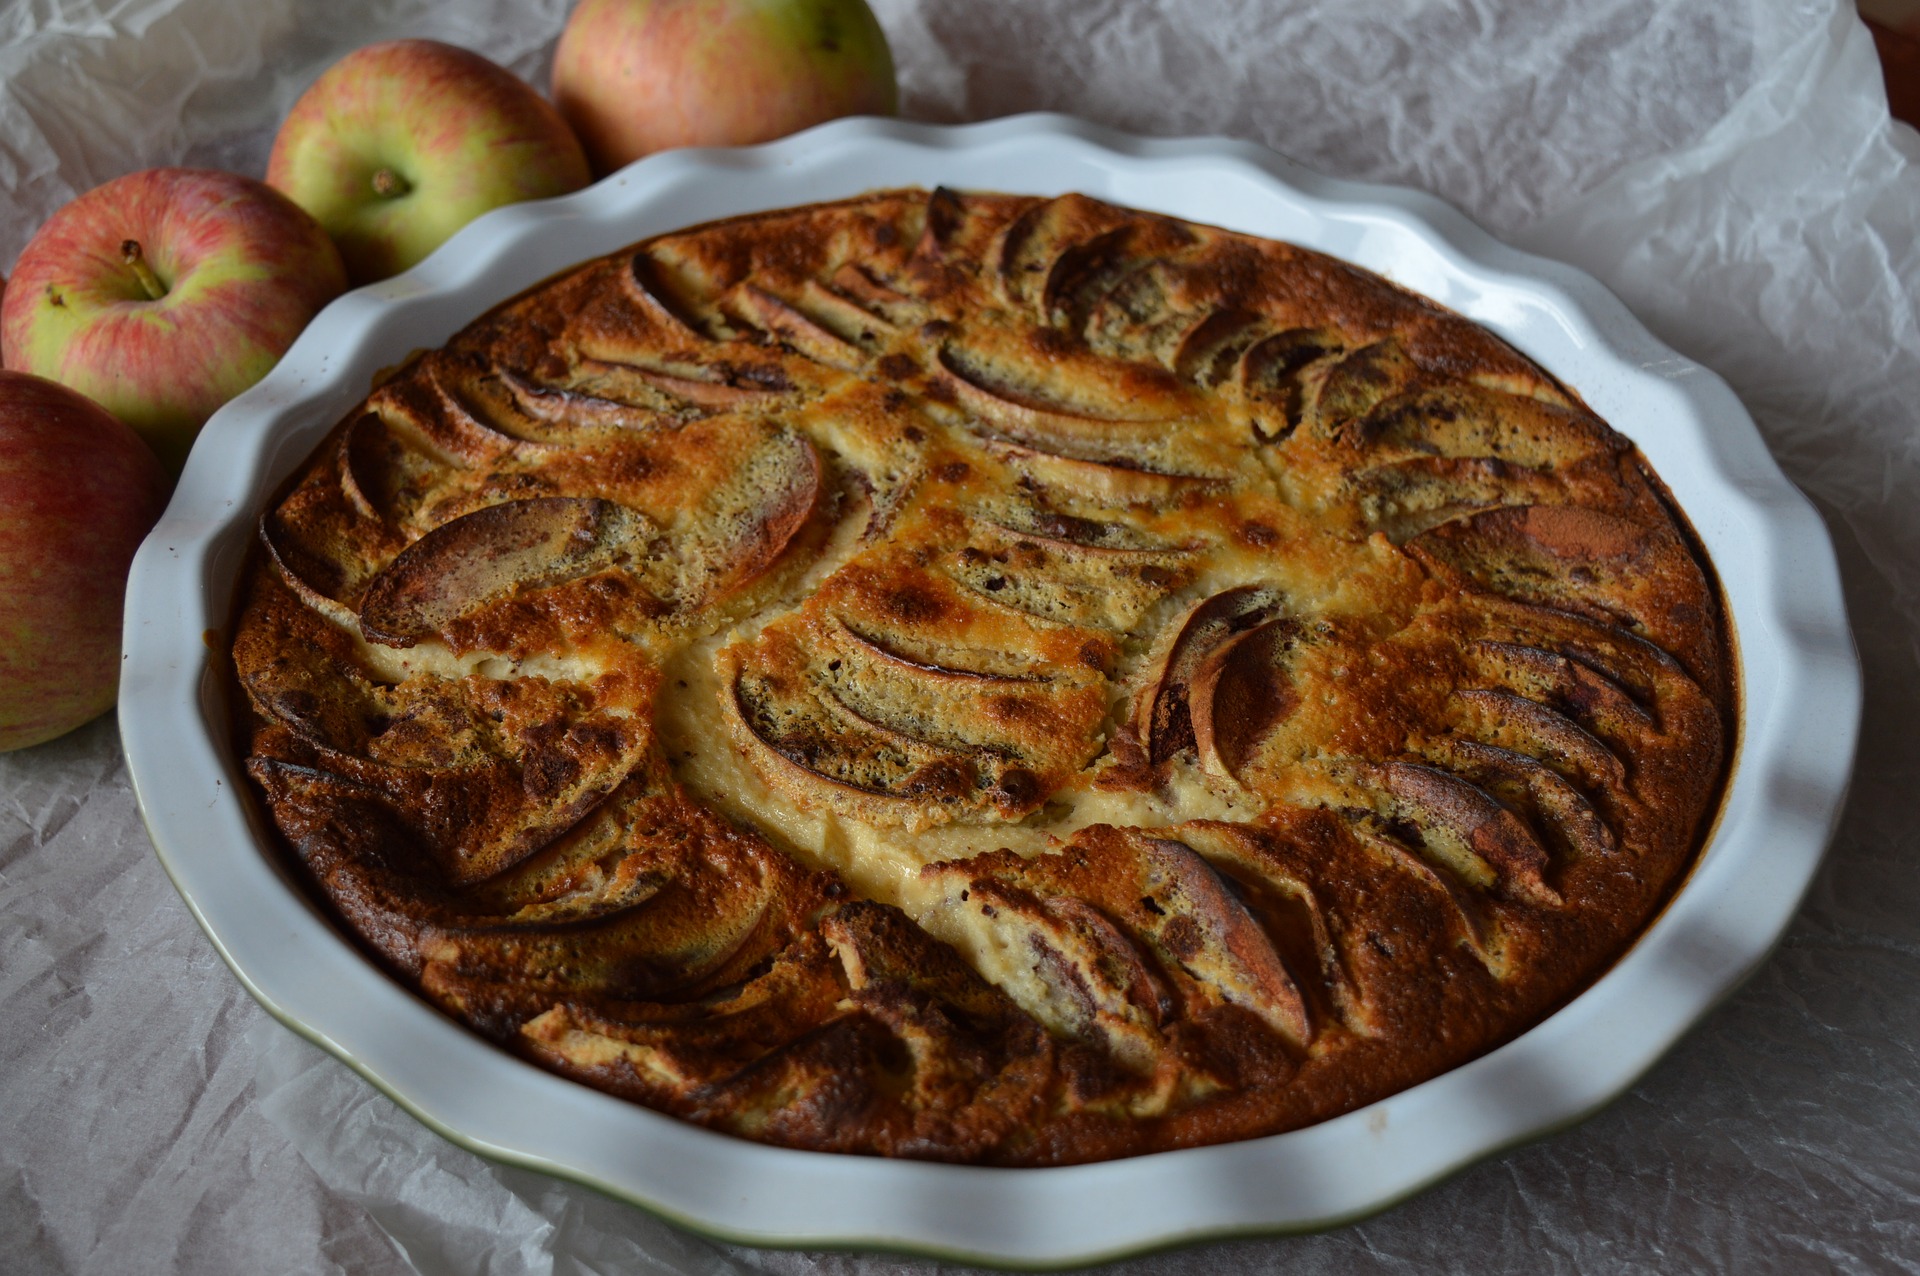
x: 1726, y: 166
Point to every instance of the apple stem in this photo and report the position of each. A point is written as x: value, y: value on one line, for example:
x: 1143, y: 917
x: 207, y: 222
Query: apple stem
x: 137, y: 262
x: 387, y: 183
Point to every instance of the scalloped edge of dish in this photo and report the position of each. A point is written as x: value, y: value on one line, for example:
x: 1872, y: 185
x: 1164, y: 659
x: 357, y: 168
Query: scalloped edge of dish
x: 1800, y: 717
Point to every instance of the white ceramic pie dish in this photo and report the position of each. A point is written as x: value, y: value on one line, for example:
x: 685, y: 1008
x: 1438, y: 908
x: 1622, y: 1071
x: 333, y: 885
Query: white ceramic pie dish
x: 1797, y: 667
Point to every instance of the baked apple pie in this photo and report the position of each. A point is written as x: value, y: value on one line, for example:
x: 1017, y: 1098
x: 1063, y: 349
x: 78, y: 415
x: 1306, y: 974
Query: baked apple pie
x: 983, y: 678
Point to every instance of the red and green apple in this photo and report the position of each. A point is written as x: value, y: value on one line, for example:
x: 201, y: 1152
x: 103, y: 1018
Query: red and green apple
x: 638, y: 76
x: 164, y: 293
x: 398, y: 145
x: 79, y: 490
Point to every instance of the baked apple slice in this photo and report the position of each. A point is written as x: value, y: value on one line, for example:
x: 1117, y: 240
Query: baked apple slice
x: 787, y: 323
x: 499, y: 550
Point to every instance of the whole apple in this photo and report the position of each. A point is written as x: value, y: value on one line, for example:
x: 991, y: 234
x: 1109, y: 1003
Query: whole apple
x: 638, y: 76
x: 400, y: 144
x: 78, y: 491
x: 164, y: 293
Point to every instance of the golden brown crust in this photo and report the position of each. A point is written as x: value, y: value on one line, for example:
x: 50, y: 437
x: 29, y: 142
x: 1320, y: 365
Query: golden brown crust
x: 984, y: 678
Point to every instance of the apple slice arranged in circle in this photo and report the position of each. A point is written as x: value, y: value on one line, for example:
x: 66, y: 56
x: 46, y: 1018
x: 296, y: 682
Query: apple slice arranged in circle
x: 494, y: 551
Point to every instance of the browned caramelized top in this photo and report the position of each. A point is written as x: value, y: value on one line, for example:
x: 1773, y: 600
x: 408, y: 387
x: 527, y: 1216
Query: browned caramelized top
x: 984, y: 678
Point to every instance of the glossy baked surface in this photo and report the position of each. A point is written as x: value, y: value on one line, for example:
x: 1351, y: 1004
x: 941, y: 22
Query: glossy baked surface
x: 984, y: 678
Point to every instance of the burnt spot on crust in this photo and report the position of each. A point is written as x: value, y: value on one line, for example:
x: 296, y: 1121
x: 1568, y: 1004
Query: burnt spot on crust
x: 912, y: 604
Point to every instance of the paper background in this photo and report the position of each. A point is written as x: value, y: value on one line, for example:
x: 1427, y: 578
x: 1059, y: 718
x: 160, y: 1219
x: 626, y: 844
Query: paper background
x: 1726, y: 166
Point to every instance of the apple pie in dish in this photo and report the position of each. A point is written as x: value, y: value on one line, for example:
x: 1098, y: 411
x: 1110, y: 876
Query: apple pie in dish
x: 983, y: 678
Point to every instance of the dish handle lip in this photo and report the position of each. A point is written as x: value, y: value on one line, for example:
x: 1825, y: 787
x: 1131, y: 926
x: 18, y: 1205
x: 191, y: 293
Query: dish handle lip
x: 1783, y: 801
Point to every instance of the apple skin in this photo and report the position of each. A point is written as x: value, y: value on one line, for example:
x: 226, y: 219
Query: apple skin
x: 78, y: 491
x: 241, y: 268
x: 460, y: 134
x: 638, y: 76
